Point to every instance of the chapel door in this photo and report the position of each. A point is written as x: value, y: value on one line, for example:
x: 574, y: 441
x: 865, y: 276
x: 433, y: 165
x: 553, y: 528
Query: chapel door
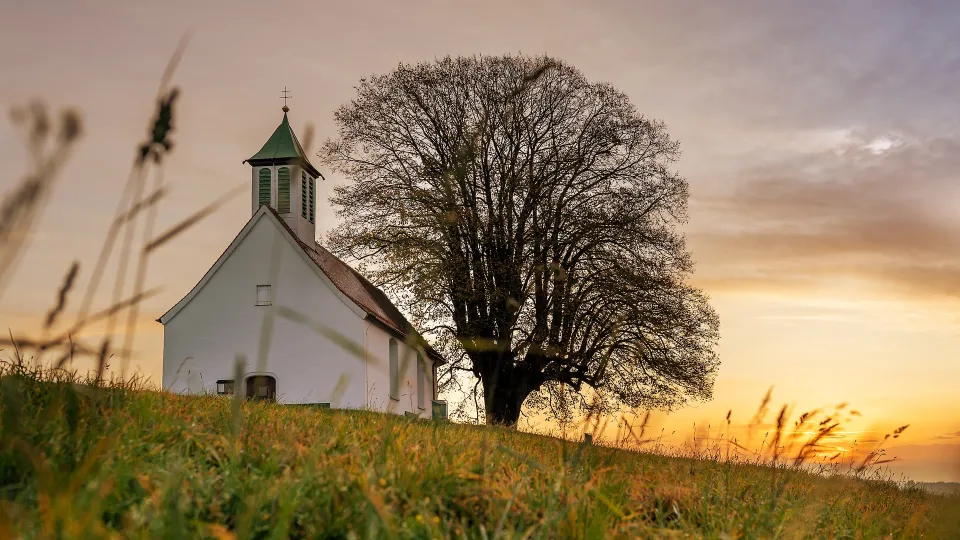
x: 262, y: 387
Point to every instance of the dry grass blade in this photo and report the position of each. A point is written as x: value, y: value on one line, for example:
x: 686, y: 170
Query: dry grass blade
x: 14, y: 209
x: 67, y: 357
x: 812, y: 445
x: 62, y: 293
x: 137, y: 180
x: 339, y: 389
x: 778, y: 435
x: 174, y: 61
x: 738, y: 445
x: 16, y: 347
x: 100, y: 315
x: 149, y: 202
x: 141, y: 274
x: 38, y: 345
x: 15, y: 215
x: 132, y: 188
x: 21, y: 208
x: 159, y: 143
x: 873, y: 457
x: 157, y: 146
x: 643, y: 428
x: 758, y: 417
x: 192, y: 220
x: 102, y: 359
x: 106, y: 249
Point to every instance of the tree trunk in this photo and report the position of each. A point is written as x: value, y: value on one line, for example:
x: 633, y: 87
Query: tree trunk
x: 504, y: 391
x: 503, y: 410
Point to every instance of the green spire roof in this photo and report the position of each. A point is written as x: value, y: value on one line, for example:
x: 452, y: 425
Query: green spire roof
x: 283, y: 147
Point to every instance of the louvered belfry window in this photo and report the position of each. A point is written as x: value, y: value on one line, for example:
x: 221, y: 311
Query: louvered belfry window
x: 283, y: 190
x: 303, y: 194
x: 264, y: 187
x: 312, y: 190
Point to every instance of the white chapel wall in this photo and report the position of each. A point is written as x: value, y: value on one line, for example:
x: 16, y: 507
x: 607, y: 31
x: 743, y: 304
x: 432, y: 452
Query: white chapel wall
x: 222, y: 321
x: 378, y: 375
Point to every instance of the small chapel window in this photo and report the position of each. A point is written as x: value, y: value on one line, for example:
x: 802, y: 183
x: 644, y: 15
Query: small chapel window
x: 394, y: 371
x: 303, y: 194
x: 264, y: 187
x: 421, y: 382
x: 225, y: 387
x: 283, y: 190
x: 264, y: 297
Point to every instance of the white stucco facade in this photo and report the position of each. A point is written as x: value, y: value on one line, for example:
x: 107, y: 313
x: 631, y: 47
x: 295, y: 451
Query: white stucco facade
x: 320, y: 346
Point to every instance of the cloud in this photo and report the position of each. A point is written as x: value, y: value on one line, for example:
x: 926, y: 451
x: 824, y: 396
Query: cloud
x: 878, y: 211
x: 954, y: 435
x: 815, y: 62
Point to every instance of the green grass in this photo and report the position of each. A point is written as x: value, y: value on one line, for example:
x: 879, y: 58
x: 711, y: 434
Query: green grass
x: 85, y: 461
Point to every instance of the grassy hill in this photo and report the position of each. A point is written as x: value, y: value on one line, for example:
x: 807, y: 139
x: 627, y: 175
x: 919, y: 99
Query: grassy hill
x: 97, y: 461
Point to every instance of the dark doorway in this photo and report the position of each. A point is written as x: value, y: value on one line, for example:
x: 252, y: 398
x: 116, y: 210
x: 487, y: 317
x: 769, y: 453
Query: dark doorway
x: 262, y: 387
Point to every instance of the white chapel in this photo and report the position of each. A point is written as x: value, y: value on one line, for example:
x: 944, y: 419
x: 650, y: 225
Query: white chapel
x: 306, y: 327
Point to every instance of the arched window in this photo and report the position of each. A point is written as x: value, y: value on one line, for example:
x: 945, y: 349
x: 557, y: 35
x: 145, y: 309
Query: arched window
x: 394, y: 370
x: 283, y: 190
x: 421, y: 382
x: 303, y: 194
x: 262, y: 387
x: 264, y: 187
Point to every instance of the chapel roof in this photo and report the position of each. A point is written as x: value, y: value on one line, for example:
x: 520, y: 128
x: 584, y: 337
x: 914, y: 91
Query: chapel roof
x: 358, y: 289
x: 283, y: 147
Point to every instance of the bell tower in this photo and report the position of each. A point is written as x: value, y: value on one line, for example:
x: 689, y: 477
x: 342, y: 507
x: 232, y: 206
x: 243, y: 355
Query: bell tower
x: 283, y: 178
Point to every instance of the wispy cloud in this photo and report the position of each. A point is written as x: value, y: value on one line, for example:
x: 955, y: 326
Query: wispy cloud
x: 874, y: 211
x: 948, y: 436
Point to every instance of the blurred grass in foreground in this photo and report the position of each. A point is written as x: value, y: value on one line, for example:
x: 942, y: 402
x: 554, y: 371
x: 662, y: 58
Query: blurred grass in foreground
x: 88, y: 459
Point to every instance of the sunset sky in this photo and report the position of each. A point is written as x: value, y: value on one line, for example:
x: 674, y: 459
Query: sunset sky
x: 821, y: 141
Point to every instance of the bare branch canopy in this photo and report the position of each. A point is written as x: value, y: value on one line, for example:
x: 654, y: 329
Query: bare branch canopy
x: 530, y: 216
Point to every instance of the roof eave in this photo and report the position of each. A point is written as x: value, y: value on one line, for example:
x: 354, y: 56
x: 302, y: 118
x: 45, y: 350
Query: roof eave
x: 436, y: 356
x: 396, y: 333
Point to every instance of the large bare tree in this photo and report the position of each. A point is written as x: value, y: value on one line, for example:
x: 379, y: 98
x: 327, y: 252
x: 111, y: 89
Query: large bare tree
x: 531, y: 216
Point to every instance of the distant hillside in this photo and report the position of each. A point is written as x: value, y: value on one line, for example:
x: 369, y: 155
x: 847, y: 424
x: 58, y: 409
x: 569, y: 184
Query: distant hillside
x: 945, y: 488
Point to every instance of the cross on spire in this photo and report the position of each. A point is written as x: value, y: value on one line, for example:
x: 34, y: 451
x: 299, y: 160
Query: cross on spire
x: 286, y: 95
